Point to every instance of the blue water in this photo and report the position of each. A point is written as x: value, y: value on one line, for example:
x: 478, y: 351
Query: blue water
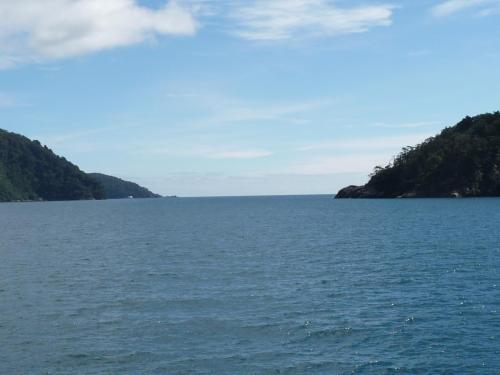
x: 269, y: 285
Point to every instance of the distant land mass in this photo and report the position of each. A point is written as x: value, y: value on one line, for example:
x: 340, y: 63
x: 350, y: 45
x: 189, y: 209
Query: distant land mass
x: 30, y: 171
x: 461, y: 161
x: 116, y: 188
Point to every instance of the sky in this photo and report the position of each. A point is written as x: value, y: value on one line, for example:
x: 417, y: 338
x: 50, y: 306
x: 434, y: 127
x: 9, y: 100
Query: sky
x: 243, y: 97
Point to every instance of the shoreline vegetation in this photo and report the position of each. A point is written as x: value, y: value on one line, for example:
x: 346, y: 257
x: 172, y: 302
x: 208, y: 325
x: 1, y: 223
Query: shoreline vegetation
x: 31, y: 172
x: 461, y: 161
x: 116, y: 188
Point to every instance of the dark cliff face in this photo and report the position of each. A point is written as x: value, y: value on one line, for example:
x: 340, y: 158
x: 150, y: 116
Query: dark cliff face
x: 30, y: 171
x: 463, y: 160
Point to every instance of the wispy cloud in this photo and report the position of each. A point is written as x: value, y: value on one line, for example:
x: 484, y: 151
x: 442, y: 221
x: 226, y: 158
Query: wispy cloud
x: 271, y: 20
x: 6, y: 101
x: 215, y: 109
x: 238, y: 112
x: 34, y: 30
x: 351, y: 163
x: 367, y: 144
x: 353, y: 155
x: 449, y: 7
x: 239, y: 154
x: 203, y: 152
x: 406, y: 125
x: 419, y: 53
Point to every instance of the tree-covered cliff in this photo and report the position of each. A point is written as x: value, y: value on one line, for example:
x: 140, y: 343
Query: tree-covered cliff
x: 463, y: 160
x: 30, y: 171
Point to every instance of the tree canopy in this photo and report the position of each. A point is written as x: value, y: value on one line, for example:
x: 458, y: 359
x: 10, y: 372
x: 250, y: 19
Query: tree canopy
x: 30, y: 171
x: 462, y: 160
x: 116, y: 188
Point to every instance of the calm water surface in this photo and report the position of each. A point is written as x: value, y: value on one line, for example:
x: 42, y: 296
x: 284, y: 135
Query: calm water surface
x: 268, y: 285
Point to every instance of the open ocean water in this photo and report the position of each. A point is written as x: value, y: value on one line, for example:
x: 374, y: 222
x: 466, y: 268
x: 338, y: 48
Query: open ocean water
x: 258, y: 285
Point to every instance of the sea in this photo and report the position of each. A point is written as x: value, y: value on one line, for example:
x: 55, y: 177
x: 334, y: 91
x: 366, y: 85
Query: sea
x: 253, y: 285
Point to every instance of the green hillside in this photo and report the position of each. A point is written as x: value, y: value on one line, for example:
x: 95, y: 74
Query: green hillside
x: 30, y: 171
x: 116, y: 188
x: 463, y: 160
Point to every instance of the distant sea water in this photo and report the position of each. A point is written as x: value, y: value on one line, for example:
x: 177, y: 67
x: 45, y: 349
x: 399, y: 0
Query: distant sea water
x: 258, y: 285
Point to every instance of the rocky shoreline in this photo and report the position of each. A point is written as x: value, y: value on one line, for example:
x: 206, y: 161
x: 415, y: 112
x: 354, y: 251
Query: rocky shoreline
x: 368, y: 192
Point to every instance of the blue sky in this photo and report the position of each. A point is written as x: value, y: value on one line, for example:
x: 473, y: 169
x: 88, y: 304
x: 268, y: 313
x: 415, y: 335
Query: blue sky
x: 247, y: 97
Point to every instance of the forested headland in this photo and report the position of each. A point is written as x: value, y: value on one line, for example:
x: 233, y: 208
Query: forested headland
x: 30, y: 171
x: 463, y: 160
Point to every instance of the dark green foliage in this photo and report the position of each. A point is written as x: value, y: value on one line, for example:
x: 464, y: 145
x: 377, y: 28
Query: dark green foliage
x: 30, y: 171
x: 464, y: 159
x: 115, y: 188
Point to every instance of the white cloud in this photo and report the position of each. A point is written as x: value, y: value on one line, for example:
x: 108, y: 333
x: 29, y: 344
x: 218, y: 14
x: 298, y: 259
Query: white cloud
x: 269, y: 20
x: 33, y: 30
x: 450, y: 7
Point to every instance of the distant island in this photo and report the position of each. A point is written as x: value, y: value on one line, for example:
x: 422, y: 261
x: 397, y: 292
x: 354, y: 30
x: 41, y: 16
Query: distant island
x: 32, y: 172
x: 116, y: 188
x: 461, y: 161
